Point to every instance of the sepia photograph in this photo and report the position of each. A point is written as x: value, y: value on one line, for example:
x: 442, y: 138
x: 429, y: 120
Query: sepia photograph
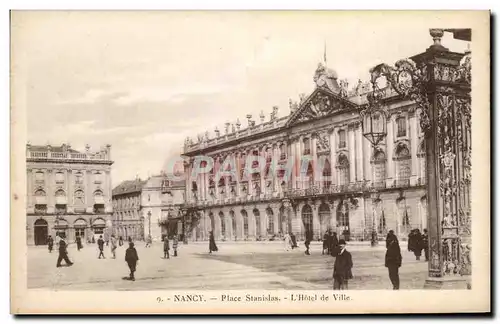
x: 250, y: 161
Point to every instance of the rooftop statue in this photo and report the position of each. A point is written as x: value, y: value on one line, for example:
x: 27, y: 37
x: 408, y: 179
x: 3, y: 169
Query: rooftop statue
x: 326, y: 78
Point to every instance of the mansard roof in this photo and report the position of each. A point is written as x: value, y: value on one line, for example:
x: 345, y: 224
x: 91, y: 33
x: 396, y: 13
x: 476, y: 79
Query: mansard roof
x: 128, y: 186
x: 321, y: 103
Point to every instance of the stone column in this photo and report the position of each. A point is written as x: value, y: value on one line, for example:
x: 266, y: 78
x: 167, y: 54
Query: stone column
x: 352, y: 154
x: 314, y: 152
x: 360, y: 175
x: 262, y: 173
x: 316, y: 223
x: 276, y: 157
x: 300, y: 153
x: 414, y: 147
x: 293, y: 156
x: 333, y: 156
x: 390, y: 151
x: 333, y: 215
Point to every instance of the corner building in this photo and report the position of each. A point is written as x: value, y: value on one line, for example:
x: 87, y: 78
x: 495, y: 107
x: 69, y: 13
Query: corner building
x: 338, y: 181
x: 68, y: 192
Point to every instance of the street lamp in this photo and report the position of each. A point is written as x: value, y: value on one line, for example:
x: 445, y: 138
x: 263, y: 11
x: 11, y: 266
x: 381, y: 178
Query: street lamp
x: 149, y: 223
x: 374, y: 128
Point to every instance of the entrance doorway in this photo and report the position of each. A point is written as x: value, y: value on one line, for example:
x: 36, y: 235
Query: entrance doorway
x: 41, y: 232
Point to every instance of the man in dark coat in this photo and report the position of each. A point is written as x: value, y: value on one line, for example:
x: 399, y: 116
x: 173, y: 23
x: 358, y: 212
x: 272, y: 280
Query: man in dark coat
x: 425, y: 244
x: 63, y: 253
x: 294, y: 240
x: 393, y: 259
x: 342, y: 269
x: 307, y: 242
x: 334, y: 245
x: 326, y: 243
x: 50, y: 242
x: 211, y: 245
x: 79, y: 245
x: 100, y: 244
x: 131, y: 258
x: 417, y: 244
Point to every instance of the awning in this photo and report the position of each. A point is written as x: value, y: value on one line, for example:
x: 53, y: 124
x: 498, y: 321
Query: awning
x: 80, y: 223
x: 99, y: 200
x: 41, y: 200
x: 61, y: 200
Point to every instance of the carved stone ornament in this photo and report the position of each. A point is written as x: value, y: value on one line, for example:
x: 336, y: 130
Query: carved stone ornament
x: 319, y: 106
x: 326, y: 78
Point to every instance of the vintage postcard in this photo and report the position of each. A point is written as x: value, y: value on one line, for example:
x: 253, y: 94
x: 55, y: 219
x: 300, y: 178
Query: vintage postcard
x: 259, y: 162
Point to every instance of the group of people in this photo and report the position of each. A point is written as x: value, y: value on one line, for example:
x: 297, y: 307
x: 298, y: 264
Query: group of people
x: 131, y: 256
x: 418, y: 242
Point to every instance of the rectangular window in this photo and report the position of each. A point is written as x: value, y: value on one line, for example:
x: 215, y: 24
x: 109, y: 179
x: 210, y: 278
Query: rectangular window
x: 342, y: 139
x: 401, y: 123
x: 59, y: 177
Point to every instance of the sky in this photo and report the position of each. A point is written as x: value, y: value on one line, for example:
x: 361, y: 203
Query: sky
x: 144, y: 81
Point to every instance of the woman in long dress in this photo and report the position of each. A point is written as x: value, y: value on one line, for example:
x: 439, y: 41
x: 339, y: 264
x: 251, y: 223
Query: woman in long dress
x: 211, y: 245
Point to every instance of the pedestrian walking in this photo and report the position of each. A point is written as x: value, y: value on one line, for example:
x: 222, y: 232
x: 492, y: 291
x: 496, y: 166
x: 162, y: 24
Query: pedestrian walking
x: 175, y: 244
x: 417, y: 244
x: 393, y: 259
x: 50, y: 243
x: 212, y: 247
x: 288, y: 242
x: 131, y: 258
x: 307, y: 242
x: 334, y: 245
x: 130, y: 239
x: 63, y: 254
x: 326, y: 243
x: 100, y: 244
x: 120, y: 241
x: 425, y: 244
x: 166, y: 248
x: 78, y: 240
x: 294, y: 241
x: 149, y: 241
x: 342, y: 269
x: 113, y: 245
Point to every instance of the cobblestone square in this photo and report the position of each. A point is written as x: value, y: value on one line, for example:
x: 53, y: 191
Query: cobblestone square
x: 249, y: 265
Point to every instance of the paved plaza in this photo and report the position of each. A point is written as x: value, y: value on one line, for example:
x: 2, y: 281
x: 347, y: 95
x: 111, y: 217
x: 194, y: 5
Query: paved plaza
x: 245, y: 265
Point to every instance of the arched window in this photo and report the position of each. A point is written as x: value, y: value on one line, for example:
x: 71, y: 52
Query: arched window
x: 422, y: 163
x: 403, y: 164
x: 379, y: 215
x: 40, y: 193
x: 401, y: 124
x: 222, y: 224
x: 59, y: 177
x: 404, y: 215
x: 327, y: 174
x: 342, y: 139
x: 379, y: 169
x: 343, y: 166
x: 282, y: 149
x: 244, y: 215
x: 307, y: 219
x: 324, y: 217
x: 39, y: 177
x: 270, y: 220
x: 307, y: 146
x: 78, y: 178
x: 233, y: 223
x: 343, y: 220
x: 256, y: 215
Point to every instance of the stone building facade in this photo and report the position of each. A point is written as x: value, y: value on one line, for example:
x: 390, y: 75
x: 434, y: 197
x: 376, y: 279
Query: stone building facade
x: 145, y: 207
x: 68, y: 192
x: 127, y: 216
x: 327, y: 174
x: 162, y: 199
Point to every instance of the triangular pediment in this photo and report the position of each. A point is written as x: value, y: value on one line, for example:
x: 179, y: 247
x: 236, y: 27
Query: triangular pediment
x: 319, y: 104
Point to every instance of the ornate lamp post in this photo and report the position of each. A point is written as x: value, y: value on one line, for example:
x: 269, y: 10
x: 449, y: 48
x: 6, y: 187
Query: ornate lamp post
x: 438, y: 81
x: 149, y: 223
x: 374, y: 128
